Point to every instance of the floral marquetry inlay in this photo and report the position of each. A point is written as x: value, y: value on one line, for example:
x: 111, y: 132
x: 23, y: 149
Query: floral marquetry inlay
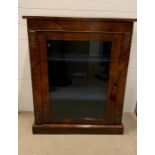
x: 126, y: 41
x: 33, y: 39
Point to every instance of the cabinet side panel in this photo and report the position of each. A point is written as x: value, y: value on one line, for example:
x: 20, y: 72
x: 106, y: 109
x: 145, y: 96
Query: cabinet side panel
x: 35, y: 74
x: 44, y: 77
x: 122, y: 73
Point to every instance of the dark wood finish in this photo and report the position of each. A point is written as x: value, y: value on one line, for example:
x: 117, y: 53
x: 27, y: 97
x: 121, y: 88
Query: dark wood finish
x: 79, y: 19
x: 122, y: 72
x: 118, y: 31
x: 35, y: 76
x: 79, y: 24
x: 77, y: 129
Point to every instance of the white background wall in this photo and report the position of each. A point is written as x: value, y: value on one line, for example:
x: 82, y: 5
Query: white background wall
x: 73, y: 8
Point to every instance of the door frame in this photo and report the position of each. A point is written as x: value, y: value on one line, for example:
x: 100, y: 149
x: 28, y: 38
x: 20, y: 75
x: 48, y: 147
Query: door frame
x: 43, y: 36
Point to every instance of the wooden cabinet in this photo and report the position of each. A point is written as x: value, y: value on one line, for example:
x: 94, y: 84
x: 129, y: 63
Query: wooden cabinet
x: 78, y: 68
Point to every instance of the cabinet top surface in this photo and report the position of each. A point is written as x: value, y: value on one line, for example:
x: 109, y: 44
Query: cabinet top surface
x: 79, y: 19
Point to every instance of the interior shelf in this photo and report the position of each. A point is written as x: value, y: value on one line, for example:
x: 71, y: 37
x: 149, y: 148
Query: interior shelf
x: 69, y: 57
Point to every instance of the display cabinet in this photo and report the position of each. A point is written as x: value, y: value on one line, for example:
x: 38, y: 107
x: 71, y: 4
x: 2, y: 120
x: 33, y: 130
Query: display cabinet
x: 78, y: 68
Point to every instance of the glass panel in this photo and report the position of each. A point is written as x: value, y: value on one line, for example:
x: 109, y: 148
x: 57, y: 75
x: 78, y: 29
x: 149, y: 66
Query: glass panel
x: 78, y: 73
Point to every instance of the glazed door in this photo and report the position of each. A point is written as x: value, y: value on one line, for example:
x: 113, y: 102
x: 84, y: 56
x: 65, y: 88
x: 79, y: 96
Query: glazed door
x: 79, y: 76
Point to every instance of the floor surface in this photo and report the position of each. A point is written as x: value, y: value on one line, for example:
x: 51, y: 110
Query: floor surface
x: 30, y: 144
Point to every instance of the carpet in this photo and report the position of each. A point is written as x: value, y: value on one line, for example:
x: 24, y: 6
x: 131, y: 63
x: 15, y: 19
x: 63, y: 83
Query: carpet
x: 30, y: 144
